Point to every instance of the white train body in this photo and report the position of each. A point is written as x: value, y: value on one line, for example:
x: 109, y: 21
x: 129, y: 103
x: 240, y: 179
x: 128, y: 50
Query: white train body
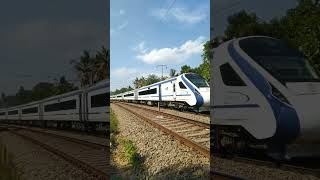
x: 89, y: 105
x: 189, y: 89
x: 267, y: 89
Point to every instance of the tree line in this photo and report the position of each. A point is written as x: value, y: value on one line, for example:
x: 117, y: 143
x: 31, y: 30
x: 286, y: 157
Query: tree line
x: 299, y: 28
x: 89, y: 68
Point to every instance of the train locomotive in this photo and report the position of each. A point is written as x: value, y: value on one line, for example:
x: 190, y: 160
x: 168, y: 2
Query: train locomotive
x: 185, y: 91
x: 265, y: 94
x: 84, y: 109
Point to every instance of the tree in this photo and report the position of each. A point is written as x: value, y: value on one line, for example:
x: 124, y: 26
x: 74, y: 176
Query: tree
x: 84, y: 69
x: 186, y: 69
x: 64, y: 86
x: 122, y: 90
x: 299, y: 28
x: 102, y: 64
x: 173, y: 73
x: 152, y: 78
x: 243, y: 24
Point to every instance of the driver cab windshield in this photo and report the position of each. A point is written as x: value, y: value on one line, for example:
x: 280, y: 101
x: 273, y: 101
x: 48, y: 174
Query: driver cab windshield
x: 197, y: 80
x: 284, y: 63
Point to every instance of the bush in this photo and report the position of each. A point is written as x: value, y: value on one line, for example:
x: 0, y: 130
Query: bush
x: 131, y: 153
x: 113, y: 123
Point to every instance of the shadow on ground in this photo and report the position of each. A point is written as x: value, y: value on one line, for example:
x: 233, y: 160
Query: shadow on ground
x: 171, y: 172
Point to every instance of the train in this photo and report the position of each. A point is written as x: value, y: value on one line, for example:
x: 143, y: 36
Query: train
x: 266, y: 95
x: 186, y: 91
x: 85, y: 109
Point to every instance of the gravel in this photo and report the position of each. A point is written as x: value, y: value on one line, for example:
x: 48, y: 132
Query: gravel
x: 250, y: 171
x: 163, y: 156
x: 189, y: 115
x: 36, y: 163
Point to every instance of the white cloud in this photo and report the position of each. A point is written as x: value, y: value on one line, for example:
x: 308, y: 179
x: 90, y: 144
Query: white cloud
x: 182, y: 15
x: 122, y: 12
x: 173, y: 55
x: 140, y: 47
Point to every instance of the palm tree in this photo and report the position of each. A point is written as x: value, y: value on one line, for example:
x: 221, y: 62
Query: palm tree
x: 172, y: 73
x: 84, y: 69
x: 102, y: 65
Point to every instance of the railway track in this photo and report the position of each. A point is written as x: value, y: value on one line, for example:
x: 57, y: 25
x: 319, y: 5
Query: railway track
x: 189, y: 132
x: 90, y: 157
x: 189, y: 112
x: 285, y: 166
x: 215, y: 175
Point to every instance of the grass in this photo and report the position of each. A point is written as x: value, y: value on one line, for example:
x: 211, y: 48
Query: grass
x: 7, y: 170
x: 113, y: 128
x: 113, y: 123
x: 131, y: 153
x: 125, y: 152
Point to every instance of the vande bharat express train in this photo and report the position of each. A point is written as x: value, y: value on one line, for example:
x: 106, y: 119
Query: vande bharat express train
x: 185, y: 91
x: 265, y: 94
x: 86, y: 109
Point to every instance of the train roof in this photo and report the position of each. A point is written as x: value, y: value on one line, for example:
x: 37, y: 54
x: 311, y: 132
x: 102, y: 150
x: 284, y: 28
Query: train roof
x: 93, y: 87
x: 154, y: 84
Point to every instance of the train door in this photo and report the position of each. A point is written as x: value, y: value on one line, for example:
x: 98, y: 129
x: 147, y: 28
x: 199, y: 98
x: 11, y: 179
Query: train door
x: 40, y: 107
x: 174, y: 91
x: 80, y: 107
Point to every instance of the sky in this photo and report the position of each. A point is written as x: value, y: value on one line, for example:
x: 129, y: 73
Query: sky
x: 148, y: 33
x: 39, y: 38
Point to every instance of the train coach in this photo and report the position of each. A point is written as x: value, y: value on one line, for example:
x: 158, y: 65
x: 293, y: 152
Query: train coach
x: 265, y: 94
x: 85, y: 109
x: 185, y: 91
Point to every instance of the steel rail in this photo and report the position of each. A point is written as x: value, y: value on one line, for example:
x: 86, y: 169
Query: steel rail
x: 80, y: 164
x: 202, y: 124
x: 203, y: 150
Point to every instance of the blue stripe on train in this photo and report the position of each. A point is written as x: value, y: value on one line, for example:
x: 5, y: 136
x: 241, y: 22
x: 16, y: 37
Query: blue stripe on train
x: 199, y: 98
x: 288, y: 126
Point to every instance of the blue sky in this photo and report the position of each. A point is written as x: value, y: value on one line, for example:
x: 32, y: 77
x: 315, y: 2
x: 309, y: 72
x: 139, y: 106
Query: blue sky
x: 145, y: 33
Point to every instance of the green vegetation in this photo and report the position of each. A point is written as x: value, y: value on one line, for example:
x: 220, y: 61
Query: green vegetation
x: 118, y: 91
x: 7, y: 170
x: 113, y: 122
x: 113, y: 128
x: 89, y: 68
x: 140, y: 82
x: 92, y: 68
x: 299, y: 28
x: 131, y: 153
x: 39, y: 91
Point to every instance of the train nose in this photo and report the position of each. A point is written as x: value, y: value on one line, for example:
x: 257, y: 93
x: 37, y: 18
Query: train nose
x: 306, y: 101
x: 307, y: 108
x: 205, y: 93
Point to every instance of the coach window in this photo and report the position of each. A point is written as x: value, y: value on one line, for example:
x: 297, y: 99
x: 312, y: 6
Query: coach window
x: 229, y: 76
x: 149, y: 91
x: 182, y: 86
x: 66, y: 105
x: 2, y: 113
x: 100, y: 100
x: 128, y: 95
x: 30, y: 110
x: 13, y: 112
